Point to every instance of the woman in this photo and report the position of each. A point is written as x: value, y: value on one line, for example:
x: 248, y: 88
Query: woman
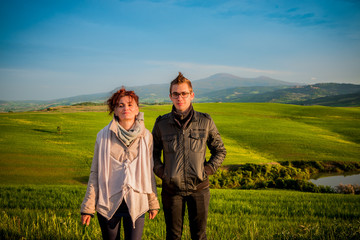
x: 122, y: 184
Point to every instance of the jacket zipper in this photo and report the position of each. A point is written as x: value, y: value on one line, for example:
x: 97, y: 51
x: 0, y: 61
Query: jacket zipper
x: 185, y: 160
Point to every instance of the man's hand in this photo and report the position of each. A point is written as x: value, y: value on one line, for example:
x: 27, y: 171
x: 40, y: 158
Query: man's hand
x: 153, y: 213
x: 85, y: 219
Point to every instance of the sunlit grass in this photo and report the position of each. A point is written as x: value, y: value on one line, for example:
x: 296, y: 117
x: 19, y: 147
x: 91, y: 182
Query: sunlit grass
x: 52, y: 212
x: 35, y: 145
x: 54, y: 150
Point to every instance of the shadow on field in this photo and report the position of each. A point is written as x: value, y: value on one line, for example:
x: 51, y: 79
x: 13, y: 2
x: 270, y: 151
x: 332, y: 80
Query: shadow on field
x: 83, y: 179
x: 10, y: 234
x: 43, y: 131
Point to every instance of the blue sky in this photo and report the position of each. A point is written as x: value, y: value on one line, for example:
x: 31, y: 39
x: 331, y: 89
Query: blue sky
x: 55, y: 49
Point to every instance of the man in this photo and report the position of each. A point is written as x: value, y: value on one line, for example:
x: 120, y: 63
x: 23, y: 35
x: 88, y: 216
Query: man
x: 182, y: 135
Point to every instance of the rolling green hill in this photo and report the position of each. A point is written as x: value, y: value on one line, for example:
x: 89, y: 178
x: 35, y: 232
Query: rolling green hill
x: 239, y: 94
x: 220, y: 87
x: 152, y: 93
x: 343, y: 100
x: 329, y: 94
x: 56, y: 147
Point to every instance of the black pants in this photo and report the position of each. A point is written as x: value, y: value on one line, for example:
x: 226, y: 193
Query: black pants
x: 110, y: 229
x: 174, y: 211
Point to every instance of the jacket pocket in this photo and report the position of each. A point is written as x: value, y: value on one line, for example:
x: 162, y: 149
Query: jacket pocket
x: 170, y: 143
x: 197, y: 140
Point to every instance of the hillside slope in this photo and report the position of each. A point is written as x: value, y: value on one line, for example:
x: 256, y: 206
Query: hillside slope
x: 223, y: 81
x: 151, y: 93
x: 343, y: 100
x: 220, y: 88
x: 341, y: 94
x: 57, y: 146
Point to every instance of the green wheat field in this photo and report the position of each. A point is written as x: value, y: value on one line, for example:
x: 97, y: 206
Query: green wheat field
x: 45, y: 160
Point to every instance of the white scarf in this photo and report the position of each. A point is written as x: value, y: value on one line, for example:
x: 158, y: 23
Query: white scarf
x: 128, y: 136
x: 138, y: 173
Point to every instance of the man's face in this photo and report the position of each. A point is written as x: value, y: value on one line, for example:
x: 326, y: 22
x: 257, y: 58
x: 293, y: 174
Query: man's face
x: 181, y: 96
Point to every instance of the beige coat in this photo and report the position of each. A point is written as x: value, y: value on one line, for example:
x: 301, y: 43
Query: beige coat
x: 138, y: 203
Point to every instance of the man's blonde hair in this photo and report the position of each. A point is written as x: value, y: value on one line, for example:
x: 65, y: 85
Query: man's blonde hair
x: 179, y: 80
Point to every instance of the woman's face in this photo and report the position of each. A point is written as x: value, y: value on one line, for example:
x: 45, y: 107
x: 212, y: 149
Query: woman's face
x: 126, y: 109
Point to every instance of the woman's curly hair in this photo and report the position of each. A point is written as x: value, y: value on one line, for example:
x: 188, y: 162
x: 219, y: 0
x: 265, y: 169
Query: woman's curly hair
x: 113, y: 101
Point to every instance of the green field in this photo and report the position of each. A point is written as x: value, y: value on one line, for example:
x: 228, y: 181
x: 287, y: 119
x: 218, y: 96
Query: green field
x: 45, y: 160
x: 233, y: 214
x: 33, y: 150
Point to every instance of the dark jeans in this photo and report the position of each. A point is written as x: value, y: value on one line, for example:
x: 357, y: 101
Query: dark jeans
x: 110, y: 229
x: 174, y: 211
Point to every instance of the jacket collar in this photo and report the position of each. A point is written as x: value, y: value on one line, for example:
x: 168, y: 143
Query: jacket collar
x: 195, y: 117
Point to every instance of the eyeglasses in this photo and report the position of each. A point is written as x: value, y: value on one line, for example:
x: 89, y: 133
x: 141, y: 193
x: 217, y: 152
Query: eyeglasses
x: 182, y: 94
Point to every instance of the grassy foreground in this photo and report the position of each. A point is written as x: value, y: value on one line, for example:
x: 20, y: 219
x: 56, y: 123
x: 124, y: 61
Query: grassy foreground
x: 56, y: 147
x: 45, y: 160
x: 234, y: 214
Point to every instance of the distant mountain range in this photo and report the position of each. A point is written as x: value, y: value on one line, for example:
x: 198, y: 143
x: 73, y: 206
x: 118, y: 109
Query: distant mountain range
x: 221, y: 87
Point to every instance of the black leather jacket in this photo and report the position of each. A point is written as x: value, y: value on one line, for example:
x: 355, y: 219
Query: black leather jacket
x: 184, y: 167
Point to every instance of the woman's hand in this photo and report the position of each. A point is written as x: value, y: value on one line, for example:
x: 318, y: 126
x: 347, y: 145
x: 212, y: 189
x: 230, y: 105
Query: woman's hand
x: 153, y: 213
x: 85, y: 219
